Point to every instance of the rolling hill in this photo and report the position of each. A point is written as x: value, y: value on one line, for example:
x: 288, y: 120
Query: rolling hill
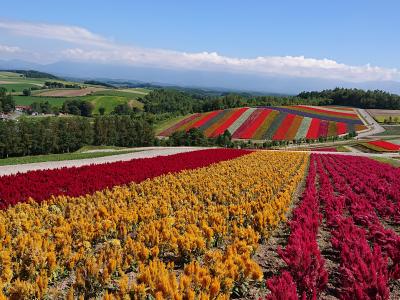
x: 273, y: 123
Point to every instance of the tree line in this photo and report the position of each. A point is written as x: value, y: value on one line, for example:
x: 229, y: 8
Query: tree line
x: 356, y: 97
x: 178, y: 102
x: 7, y: 103
x: 62, y: 135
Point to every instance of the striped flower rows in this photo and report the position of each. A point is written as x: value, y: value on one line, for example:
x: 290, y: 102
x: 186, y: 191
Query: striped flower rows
x: 185, y: 235
x: 272, y: 123
x: 382, y: 146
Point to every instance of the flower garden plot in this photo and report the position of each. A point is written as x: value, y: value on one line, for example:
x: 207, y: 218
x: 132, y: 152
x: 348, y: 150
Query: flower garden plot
x: 228, y: 122
x: 356, y: 201
x: 384, y: 146
x: 176, y: 236
x: 270, y: 123
x: 44, y: 184
x: 316, y: 114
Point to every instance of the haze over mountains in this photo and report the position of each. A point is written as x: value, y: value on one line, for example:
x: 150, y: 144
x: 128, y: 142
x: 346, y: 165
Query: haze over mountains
x: 197, y: 78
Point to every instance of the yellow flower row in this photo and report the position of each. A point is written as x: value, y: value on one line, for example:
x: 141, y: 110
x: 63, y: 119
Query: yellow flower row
x: 132, y: 240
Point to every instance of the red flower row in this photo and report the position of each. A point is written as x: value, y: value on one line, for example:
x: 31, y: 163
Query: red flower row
x: 385, y: 145
x: 354, y: 195
x: 41, y: 185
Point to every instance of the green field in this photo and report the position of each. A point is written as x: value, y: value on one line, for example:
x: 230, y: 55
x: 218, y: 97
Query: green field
x: 107, y: 98
x: 9, y: 75
x: 18, y: 87
x: 386, y: 118
x: 122, y: 93
x: 58, y: 157
x: 390, y: 130
x: 28, y: 100
x: 109, y: 102
x: 393, y: 162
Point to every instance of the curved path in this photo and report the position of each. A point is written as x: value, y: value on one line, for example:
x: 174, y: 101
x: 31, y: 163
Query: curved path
x: 375, y: 128
x: 147, y: 152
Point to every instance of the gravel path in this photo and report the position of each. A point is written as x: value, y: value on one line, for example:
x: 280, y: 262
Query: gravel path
x: 375, y: 128
x: 144, y: 153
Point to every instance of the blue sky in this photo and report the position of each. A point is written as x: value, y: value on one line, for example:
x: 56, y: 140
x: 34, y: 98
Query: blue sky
x: 353, y: 33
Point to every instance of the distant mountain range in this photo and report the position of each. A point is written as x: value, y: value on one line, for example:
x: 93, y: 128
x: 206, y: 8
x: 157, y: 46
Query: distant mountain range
x: 195, y: 79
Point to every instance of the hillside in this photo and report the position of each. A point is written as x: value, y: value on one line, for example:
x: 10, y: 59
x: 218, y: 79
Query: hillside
x: 273, y: 123
x: 100, y: 96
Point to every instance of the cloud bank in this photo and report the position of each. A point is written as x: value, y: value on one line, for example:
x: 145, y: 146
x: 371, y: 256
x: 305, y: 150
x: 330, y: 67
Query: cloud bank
x: 84, y: 45
x: 9, y: 49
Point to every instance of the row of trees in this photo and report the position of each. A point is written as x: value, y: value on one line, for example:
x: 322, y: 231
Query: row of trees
x: 195, y: 137
x: 60, y: 135
x: 61, y: 85
x: 356, y: 97
x: 163, y: 101
x: 7, y: 104
x: 177, y: 102
x: 78, y: 107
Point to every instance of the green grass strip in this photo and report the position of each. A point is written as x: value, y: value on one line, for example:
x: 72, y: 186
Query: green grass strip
x: 58, y: 157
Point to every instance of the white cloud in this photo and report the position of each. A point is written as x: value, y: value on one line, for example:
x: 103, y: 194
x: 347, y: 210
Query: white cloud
x: 93, y: 47
x: 10, y: 49
x: 72, y: 34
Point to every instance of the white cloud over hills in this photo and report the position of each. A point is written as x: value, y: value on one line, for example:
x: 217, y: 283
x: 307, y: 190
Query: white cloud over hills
x: 84, y: 45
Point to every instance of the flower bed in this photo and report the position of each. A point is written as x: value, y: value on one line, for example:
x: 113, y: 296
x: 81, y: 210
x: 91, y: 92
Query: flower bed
x: 41, y: 185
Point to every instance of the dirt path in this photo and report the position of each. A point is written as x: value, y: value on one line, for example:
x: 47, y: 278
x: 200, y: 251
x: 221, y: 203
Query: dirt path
x: 147, y: 152
x: 375, y: 128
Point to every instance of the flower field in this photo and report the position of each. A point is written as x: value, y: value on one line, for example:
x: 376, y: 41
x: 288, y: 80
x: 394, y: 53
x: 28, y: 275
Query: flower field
x: 176, y: 236
x: 191, y: 225
x: 354, y: 201
x: 273, y: 123
x: 382, y: 146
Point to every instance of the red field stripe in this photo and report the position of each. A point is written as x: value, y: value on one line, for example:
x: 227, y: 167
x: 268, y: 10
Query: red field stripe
x: 323, y: 128
x: 251, y: 129
x: 280, y: 134
x: 173, y: 128
x: 41, y: 185
x: 205, y: 119
x: 341, y: 128
x: 238, y: 134
x: 329, y: 112
x: 221, y: 129
x: 314, y: 129
x: 385, y: 145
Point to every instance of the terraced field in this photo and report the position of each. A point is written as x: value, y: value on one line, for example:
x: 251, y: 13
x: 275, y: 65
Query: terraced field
x: 273, y: 123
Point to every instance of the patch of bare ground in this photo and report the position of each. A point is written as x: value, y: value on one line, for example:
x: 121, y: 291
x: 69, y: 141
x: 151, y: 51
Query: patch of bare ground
x: 70, y: 92
x: 332, y: 261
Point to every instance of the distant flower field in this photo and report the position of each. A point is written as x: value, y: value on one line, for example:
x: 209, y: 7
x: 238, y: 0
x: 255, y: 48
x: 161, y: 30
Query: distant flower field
x: 273, y: 123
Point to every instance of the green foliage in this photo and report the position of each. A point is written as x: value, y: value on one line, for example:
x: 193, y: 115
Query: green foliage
x: 164, y: 101
x: 195, y: 137
x: 123, y: 131
x: 356, y: 97
x: 7, y: 103
x: 181, y: 103
x: 95, y: 82
x: 42, y: 108
x: 63, y: 135
x: 26, y: 92
x: 34, y: 74
x: 122, y: 109
x: 78, y: 107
